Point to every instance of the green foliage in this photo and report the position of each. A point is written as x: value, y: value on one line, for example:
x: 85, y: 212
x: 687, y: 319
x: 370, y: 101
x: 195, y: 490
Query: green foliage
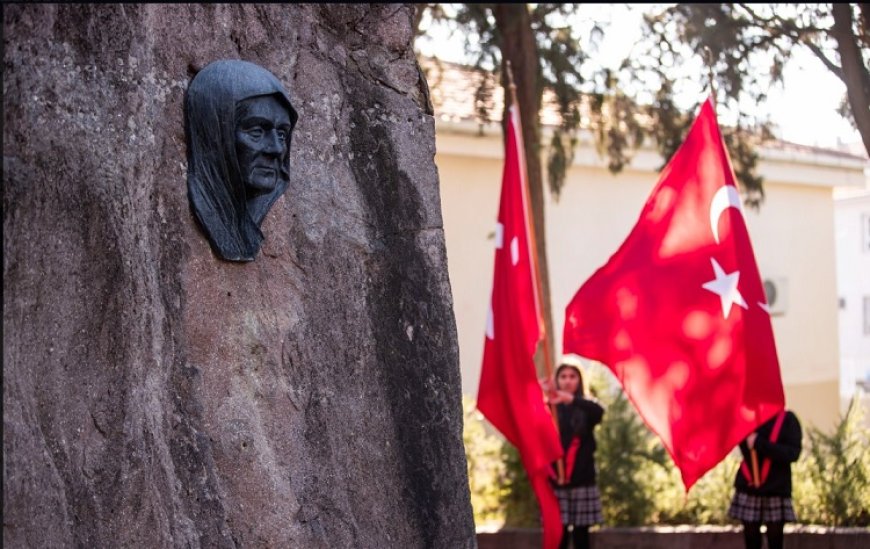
x: 519, y: 502
x: 706, y: 503
x: 721, y: 36
x: 746, y: 47
x: 832, y: 481
x: 562, y: 54
x: 487, y: 467
x: 500, y: 490
x: 630, y: 465
x: 591, y: 97
x: 559, y: 160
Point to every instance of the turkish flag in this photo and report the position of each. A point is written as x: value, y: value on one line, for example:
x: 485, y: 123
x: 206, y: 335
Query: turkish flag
x: 679, y: 315
x: 509, y: 395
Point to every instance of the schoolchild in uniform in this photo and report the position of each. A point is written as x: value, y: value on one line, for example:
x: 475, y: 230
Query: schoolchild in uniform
x: 763, y: 483
x: 578, y: 414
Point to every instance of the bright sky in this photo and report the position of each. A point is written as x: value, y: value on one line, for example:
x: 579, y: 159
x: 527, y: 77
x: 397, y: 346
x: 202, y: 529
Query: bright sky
x: 804, y: 109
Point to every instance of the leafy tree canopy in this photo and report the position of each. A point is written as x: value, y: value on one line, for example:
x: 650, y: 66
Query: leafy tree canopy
x: 552, y: 48
x: 744, y: 46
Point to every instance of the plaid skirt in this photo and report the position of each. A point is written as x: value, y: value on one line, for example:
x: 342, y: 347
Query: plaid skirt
x: 580, y: 505
x: 749, y: 508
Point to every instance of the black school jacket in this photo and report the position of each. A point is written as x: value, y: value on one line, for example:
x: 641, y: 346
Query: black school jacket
x: 781, y: 454
x: 577, y: 419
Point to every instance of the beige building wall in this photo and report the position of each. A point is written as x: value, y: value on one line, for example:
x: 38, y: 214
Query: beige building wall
x: 852, y: 216
x: 792, y: 235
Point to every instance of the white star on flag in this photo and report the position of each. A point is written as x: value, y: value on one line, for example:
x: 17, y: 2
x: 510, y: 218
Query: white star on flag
x: 725, y: 286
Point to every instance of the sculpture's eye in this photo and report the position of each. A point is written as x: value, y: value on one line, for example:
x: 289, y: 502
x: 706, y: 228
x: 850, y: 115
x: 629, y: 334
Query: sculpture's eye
x: 282, y: 135
x: 256, y: 132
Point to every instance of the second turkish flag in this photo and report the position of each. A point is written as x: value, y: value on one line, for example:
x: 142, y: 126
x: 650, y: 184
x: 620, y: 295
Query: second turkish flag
x: 679, y: 315
x: 509, y: 394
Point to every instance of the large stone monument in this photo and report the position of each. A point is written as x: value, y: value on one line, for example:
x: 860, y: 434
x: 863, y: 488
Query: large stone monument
x: 156, y: 395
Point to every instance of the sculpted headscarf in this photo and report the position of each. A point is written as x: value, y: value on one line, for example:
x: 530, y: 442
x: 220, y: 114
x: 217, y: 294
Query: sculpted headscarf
x: 214, y: 182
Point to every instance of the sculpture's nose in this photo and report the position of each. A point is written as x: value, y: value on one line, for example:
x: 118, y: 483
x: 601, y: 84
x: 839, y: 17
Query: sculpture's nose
x: 274, y: 144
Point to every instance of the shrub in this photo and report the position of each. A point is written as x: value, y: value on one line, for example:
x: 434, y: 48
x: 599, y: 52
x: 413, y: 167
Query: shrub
x: 630, y: 463
x: 518, y: 500
x: 487, y: 467
x: 707, y: 502
x: 832, y: 478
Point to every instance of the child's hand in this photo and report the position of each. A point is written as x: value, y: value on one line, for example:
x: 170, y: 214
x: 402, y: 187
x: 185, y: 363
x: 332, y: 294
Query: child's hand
x: 562, y: 397
x: 548, y: 385
x: 549, y: 388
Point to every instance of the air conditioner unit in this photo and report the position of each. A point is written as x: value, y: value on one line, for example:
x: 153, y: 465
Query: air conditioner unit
x: 776, y: 290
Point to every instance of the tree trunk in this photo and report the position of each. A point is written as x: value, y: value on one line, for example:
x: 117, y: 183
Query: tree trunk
x: 855, y: 73
x: 156, y: 396
x: 518, y: 46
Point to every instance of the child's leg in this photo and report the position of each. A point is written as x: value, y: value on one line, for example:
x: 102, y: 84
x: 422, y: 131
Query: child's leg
x: 581, y: 537
x: 752, y: 535
x: 566, y: 538
x: 774, y: 535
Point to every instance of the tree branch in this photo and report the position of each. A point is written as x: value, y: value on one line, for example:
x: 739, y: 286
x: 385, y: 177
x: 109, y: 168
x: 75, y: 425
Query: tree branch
x: 855, y: 73
x: 831, y: 66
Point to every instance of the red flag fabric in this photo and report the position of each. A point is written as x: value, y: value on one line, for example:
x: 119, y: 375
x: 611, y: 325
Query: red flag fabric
x: 509, y: 395
x: 679, y: 315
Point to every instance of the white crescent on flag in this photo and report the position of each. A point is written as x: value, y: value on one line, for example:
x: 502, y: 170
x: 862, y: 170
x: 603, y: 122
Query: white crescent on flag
x: 726, y: 197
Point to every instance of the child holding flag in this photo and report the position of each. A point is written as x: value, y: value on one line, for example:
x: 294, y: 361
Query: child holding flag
x: 763, y: 483
x: 579, y: 500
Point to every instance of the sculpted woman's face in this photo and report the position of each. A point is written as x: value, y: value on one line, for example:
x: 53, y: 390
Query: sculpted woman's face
x: 262, y: 137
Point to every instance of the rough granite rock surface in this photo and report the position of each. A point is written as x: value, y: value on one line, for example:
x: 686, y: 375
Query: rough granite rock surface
x: 155, y: 396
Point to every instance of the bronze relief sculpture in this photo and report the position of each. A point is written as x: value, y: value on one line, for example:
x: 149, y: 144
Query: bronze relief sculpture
x: 239, y: 123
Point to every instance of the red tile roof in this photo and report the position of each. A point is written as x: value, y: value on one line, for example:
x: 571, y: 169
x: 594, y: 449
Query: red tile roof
x: 453, y: 90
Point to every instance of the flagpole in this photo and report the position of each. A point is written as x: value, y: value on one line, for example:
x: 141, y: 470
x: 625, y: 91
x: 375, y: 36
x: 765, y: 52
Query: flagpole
x: 710, y: 74
x: 533, y: 241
